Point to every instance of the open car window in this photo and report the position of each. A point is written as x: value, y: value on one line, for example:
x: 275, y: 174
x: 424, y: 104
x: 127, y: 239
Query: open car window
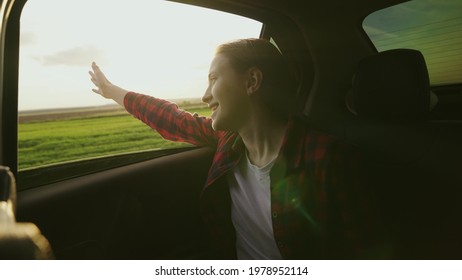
x: 155, y: 47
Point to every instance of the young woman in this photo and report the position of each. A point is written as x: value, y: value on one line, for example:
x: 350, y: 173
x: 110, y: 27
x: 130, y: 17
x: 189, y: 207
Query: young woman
x: 277, y: 188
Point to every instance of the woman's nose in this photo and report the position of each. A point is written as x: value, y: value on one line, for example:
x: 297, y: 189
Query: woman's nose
x: 207, y: 96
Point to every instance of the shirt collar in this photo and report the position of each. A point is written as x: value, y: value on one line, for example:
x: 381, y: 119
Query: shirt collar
x: 290, y: 154
x: 292, y: 144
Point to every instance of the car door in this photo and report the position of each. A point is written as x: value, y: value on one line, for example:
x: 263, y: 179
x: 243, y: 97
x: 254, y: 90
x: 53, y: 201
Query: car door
x: 132, y: 205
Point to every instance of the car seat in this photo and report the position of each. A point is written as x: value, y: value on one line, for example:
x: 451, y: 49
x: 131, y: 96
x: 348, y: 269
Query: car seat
x: 414, y: 165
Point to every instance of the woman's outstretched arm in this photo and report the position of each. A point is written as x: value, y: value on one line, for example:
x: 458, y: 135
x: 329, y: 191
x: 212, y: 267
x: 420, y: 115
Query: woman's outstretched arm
x: 104, y: 87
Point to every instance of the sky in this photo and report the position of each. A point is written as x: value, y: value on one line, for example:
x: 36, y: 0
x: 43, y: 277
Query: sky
x: 155, y: 47
x: 164, y: 48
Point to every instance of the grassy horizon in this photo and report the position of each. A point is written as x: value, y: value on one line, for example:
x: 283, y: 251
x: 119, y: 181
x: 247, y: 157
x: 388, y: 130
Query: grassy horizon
x: 49, y: 141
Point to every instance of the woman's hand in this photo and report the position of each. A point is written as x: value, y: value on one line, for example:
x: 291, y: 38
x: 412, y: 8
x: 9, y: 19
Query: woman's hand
x: 104, y: 87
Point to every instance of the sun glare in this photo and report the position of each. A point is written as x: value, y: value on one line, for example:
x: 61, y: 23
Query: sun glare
x: 159, y: 48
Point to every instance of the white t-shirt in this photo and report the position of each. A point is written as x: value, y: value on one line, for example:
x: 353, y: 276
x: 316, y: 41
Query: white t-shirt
x: 251, y: 211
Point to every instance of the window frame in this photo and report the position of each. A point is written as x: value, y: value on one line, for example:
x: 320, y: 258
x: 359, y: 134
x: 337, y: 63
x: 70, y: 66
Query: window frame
x: 274, y: 26
x: 10, y: 13
x: 52, y: 173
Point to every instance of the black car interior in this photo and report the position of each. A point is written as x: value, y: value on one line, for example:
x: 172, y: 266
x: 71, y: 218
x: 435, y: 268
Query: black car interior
x: 409, y: 133
x: 413, y: 163
x: 18, y: 241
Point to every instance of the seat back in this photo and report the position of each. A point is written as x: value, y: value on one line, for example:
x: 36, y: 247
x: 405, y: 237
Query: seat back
x: 414, y: 165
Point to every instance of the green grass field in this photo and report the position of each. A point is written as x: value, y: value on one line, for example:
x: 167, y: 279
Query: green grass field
x: 43, y: 142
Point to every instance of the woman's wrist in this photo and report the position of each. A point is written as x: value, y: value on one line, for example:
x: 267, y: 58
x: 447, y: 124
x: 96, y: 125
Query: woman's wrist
x: 118, y: 94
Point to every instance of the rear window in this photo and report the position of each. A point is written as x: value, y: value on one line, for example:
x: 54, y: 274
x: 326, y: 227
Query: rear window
x: 433, y: 27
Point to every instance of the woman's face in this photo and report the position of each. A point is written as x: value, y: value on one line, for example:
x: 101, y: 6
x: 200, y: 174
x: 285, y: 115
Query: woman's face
x: 227, y: 95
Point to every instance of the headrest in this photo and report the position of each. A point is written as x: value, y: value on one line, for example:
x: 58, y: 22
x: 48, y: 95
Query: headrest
x: 392, y: 85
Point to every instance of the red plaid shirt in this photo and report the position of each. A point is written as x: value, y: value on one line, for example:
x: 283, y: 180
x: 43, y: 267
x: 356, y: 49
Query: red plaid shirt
x: 319, y: 208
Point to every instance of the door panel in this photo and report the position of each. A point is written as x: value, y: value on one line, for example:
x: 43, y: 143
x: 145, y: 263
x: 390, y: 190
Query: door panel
x: 147, y: 210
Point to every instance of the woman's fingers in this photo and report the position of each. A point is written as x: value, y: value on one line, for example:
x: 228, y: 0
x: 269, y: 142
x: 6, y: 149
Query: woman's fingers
x: 93, y: 78
x: 95, y: 82
x: 98, y: 74
x: 98, y: 79
x: 105, y: 88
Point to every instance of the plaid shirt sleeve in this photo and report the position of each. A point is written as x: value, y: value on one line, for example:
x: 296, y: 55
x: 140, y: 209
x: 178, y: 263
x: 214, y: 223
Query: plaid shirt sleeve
x: 171, y: 122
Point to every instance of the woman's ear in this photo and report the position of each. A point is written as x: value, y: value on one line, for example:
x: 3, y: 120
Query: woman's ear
x: 254, y: 80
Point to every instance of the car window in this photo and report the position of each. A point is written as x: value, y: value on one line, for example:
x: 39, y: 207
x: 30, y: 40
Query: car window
x: 433, y: 27
x: 154, y: 47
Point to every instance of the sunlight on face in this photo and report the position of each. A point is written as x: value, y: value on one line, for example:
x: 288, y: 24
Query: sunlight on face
x: 154, y: 47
